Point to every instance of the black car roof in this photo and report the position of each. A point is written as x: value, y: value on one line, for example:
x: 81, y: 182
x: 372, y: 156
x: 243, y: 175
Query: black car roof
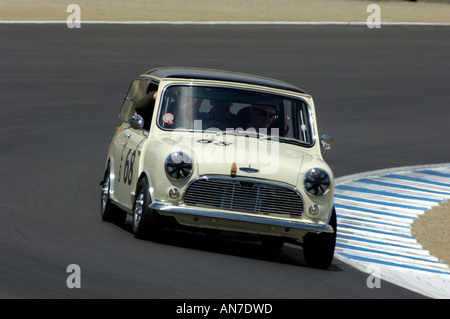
x: 219, y: 75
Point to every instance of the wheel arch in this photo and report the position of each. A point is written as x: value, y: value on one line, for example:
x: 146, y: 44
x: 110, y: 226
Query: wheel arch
x: 146, y: 175
x: 109, y: 166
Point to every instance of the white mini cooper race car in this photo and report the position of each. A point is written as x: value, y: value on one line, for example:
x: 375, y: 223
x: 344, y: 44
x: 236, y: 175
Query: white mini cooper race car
x: 226, y: 151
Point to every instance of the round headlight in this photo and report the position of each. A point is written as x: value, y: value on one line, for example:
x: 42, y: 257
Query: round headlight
x: 317, y: 182
x: 178, y: 165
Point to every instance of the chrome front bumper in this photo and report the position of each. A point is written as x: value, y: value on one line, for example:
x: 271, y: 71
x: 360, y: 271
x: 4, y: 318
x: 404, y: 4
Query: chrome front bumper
x: 231, y: 216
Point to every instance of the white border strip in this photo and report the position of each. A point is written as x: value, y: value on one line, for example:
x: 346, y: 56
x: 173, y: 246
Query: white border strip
x: 347, y: 178
x: 314, y: 23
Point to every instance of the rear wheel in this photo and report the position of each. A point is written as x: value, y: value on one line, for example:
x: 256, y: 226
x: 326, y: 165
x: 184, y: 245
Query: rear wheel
x: 318, y: 249
x: 108, y: 210
x: 146, y: 222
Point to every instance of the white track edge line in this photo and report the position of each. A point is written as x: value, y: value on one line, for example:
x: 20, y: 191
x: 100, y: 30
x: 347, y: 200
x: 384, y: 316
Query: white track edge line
x: 306, y: 23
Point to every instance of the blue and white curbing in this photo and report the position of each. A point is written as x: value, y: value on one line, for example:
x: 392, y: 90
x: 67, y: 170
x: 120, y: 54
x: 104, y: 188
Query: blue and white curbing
x: 375, y: 211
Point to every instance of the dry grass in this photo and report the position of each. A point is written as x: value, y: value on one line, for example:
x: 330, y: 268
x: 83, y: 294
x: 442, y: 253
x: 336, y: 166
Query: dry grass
x: 432, y: 231
x: 225, y: 10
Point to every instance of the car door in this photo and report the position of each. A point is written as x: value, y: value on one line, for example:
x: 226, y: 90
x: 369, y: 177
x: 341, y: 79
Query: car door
x: 129, y: 142
x: 127, y: 147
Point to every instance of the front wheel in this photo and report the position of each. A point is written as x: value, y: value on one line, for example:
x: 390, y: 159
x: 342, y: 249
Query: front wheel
x: 108, y: 210
x: 146, y: 222
x: 318, y: 249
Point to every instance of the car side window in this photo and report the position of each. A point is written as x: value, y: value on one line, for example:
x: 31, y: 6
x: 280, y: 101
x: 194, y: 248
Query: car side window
x: 145, y: 106
x: 136, y: 92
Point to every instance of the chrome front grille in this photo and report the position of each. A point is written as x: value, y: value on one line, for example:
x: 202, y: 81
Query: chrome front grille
x: 244, y: 195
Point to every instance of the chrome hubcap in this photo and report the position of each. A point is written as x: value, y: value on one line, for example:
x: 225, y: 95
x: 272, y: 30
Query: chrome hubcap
x: 105, y: 192
x: 138, y: 209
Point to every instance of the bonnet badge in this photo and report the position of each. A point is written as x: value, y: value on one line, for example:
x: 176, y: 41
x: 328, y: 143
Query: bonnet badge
x: 249, y: 169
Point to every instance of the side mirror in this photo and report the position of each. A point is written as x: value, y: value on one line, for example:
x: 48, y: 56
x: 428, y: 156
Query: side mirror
x: 137, y: 122
x: 326, y: 141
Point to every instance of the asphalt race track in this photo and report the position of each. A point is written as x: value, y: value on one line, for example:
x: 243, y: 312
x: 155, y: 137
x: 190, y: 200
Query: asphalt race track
x: 382, y: 93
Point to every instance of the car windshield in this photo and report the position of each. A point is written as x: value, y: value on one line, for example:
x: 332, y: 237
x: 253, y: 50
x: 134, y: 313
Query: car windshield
x: 236, y: 111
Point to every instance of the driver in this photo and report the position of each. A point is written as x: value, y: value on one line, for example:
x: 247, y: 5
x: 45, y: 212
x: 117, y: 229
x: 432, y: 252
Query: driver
x: 261, y: 116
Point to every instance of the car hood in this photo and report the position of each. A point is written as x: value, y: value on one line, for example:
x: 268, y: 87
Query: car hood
x: 254, y: 158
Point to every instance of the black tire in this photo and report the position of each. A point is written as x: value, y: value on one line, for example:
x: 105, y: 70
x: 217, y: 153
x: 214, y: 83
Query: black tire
x: 146, y: 222
x: 108, y: 211
x: 318, y: 249
x: 271, y: 242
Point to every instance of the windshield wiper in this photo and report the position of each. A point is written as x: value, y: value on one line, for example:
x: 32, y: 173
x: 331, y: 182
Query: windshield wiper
x: 289, y: 140
x: 268, y: 137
